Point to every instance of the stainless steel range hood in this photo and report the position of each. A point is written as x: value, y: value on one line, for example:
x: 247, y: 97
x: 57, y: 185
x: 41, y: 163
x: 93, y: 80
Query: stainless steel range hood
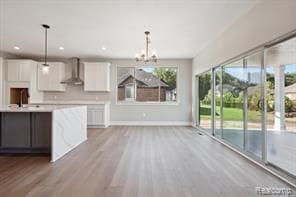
x: 75, y: 78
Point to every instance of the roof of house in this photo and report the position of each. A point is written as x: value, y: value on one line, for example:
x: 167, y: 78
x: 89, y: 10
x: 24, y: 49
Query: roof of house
x: 230, y: 88
x: 290, y: 89
x: 145, y: 79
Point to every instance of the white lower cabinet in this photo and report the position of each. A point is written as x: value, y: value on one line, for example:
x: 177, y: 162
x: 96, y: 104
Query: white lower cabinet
x: 98, y: 116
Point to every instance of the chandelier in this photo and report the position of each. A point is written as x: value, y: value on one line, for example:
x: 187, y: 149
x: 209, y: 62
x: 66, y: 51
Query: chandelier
x: 144, y: 55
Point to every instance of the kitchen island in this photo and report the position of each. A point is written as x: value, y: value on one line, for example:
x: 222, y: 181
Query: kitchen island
x: 98, y: 112
x: 55, y: 130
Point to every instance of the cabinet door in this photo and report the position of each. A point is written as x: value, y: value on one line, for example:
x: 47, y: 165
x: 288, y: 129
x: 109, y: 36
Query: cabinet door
x: 97, y: 77
x: 13, y: 71
x: 41, y: 129
x: 90, y: 78
x: 98, y: 117
x: 103, y: 76
x: 95, y: 116
x: 90, y: 117
x: 16, y: 131
x: 56, y: 75
x: 25, y: 71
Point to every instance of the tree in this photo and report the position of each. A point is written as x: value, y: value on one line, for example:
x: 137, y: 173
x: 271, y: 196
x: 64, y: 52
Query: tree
x: 167, y: 75
x: 204, y: 85
x: 288, y: 105
x: 290, y: 79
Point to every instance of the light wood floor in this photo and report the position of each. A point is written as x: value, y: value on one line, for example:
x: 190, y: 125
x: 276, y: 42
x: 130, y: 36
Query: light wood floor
x: 137, y: 161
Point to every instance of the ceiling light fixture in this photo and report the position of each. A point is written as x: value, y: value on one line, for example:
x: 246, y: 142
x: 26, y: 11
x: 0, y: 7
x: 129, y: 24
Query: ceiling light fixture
x: 144, y: 55
x: 45, y: 67
x: 61, y: 48
x: 104, y: 48
x: 16, y: 48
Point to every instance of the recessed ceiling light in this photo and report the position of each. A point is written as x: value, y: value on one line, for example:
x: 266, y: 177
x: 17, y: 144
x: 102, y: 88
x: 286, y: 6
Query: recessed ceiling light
x: 61, y: 48
x: 16, y: 48
x: 104, y: 48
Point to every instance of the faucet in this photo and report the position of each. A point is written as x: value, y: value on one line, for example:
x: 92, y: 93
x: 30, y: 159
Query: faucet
x: 20, y: 104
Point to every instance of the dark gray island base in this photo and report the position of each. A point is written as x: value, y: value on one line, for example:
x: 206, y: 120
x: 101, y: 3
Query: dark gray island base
x: 51, y: 130
x: 25, y: 132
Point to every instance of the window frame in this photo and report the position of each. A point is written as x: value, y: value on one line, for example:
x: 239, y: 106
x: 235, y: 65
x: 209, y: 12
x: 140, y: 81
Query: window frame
x: 134, y: 102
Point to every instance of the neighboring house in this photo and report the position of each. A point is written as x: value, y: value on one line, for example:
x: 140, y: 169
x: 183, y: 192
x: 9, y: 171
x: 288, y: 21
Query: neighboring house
x: 146, y: 87
x: 290, y: 92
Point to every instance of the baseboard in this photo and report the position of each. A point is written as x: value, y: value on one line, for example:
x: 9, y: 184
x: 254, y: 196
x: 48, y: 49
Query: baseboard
x: 152, y: 123
x: 96, y: 126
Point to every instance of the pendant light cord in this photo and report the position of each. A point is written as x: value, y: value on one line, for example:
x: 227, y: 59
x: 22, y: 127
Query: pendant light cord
x: 147, y: 42
x: 45, y: 46
x: 46, y: 27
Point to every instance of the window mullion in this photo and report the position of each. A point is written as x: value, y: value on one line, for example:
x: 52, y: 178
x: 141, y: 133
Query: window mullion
x: 159, y: 90
x: 135, y: 85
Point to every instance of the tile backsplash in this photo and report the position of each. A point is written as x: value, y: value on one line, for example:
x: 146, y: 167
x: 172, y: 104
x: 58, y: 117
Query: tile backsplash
x: 76, y: 93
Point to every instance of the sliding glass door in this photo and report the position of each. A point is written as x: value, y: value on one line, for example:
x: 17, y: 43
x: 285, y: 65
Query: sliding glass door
x: 238, y: 103
x: 233, y: 82
x: 253, y: 105
x: 281, y: 105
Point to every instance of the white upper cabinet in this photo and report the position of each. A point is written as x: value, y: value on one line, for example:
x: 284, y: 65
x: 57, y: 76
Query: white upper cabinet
x: 97, y: 76
x: 51, y: 81
x: 19, y: 70
x: 22, y: 73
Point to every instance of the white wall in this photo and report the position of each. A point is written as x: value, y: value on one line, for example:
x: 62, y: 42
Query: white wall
x: 265, y: 22
x: 175, y: 113
x: 121, y: 114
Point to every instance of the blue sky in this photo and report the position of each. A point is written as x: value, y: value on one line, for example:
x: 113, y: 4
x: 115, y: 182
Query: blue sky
x: 238, y: 71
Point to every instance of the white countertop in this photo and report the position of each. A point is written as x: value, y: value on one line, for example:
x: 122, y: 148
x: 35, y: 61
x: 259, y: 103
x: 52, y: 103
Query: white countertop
x: 28, y: 108
x: 74, y: 102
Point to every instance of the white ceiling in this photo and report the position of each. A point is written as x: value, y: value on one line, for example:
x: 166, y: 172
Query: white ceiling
x: 179, y: 28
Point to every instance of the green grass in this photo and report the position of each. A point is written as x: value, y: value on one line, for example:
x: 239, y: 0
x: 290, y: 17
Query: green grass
x: 234, y: 114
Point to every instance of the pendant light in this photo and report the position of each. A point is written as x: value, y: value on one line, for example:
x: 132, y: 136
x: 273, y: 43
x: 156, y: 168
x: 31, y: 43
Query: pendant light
x: 45, y: 67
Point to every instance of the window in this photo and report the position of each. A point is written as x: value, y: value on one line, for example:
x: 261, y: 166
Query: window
x: 129, y: 92
x: 125, y: 81
x: 147, y: 84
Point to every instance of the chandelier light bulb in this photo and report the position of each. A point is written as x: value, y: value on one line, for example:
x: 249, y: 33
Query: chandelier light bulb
x: 142, y: 52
